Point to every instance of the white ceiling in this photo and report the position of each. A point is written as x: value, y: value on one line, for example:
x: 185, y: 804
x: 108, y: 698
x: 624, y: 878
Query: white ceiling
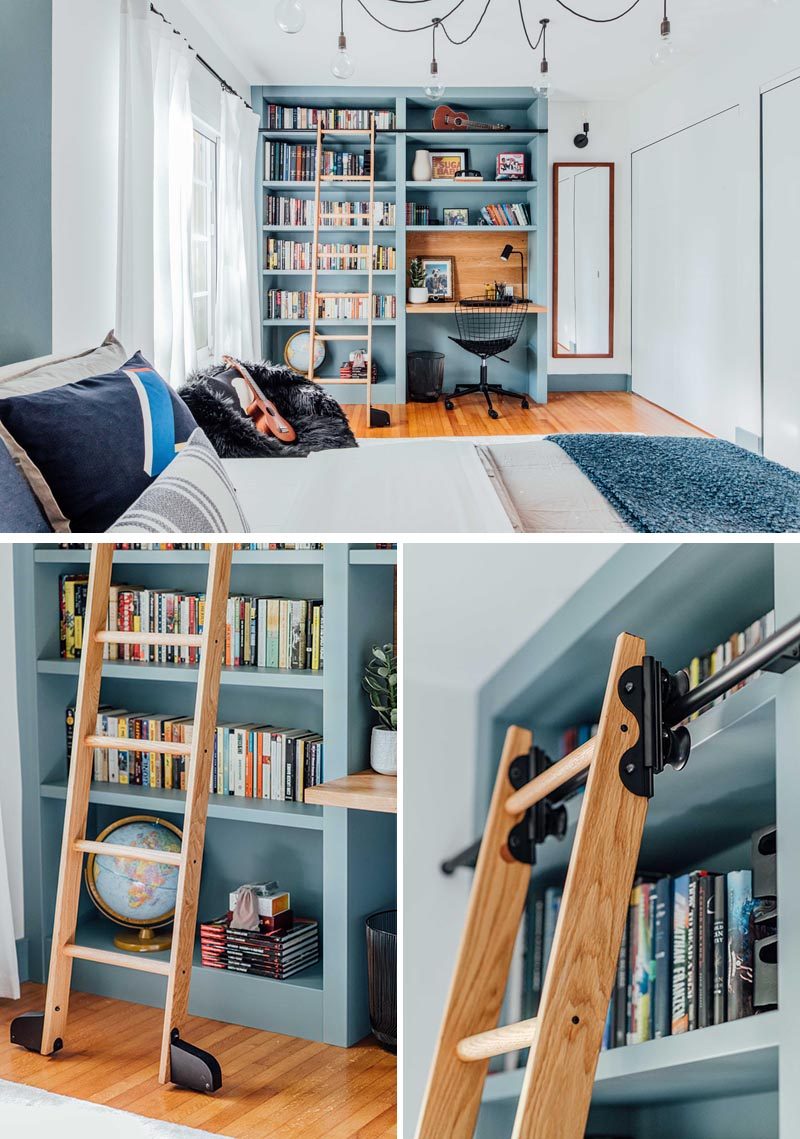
x: 588, y: 61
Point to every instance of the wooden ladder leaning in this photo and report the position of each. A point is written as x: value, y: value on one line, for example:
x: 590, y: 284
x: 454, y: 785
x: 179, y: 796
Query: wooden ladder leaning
x: 375, y: 417
x: 565, y: 1037
x: 181, y: 1063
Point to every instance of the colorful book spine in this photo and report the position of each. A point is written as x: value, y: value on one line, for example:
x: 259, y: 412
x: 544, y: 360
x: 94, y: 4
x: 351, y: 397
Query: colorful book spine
x: 680, y: 940
x: 720, y: 941
x: 662, y: 1018
x: 740, y: 944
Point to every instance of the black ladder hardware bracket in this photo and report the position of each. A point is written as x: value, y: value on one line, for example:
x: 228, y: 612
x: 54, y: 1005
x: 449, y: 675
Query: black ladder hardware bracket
x: 193, y: 1068
x: 542, y: 819
x: 378, y: 418
x: 644, y: 690
x: 27, y: 1029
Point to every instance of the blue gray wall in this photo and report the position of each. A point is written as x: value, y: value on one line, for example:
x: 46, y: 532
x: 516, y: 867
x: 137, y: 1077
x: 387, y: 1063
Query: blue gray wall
x: 25, y: 131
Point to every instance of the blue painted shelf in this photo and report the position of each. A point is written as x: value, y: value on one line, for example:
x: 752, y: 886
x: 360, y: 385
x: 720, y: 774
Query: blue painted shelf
x: 54, y: 556
x: 187, y: 673
x: 487, y: 186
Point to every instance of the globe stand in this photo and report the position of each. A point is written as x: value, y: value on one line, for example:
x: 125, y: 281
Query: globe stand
x: 145, y: 941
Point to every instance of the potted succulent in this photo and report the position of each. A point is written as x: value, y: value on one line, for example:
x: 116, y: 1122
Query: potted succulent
x: 417, y: 293
x: 380, y: 685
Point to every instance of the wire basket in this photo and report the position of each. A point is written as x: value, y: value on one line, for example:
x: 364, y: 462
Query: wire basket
x: 382, y: 976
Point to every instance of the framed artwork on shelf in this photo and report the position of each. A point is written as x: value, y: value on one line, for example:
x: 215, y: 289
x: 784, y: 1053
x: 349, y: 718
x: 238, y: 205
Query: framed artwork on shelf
x: 510, y: 167
x: 455, y: 215
x: 439, y: 275
x: 445, y: 164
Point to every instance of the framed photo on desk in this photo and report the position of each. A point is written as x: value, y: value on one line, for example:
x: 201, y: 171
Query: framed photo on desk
x: 439, y: 276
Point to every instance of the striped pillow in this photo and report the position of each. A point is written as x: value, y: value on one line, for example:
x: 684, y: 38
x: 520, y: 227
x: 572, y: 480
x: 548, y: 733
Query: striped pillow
x: 192, y: 496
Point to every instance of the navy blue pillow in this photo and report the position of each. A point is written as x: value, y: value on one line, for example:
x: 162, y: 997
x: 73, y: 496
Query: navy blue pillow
x: 100, y: 442
x: 20, y: 512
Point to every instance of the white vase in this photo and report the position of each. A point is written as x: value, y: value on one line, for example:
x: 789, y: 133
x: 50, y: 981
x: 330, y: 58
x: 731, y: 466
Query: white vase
x: 383, y: 751
x: 418, y: 296
x: 422, y: 169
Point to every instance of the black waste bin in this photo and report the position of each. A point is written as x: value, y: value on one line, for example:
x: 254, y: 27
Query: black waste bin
x: 425, y: 376
x: 382, y: 976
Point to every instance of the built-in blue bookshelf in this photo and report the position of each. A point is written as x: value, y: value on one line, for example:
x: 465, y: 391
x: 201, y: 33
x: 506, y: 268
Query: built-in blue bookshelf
x: 526, y: 116
x: 340, y: 865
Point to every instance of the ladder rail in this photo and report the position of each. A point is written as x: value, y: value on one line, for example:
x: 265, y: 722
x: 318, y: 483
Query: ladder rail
x: 312, y: 331
x: 370, y: 261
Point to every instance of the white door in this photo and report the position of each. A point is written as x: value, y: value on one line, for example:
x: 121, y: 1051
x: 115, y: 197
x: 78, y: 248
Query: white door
x: 781, y: 260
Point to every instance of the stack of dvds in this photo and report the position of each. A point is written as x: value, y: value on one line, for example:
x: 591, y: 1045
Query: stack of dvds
x: 265, y: 952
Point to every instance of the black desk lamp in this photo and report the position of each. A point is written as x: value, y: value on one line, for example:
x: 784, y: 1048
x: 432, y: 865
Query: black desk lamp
x: 505, y: 255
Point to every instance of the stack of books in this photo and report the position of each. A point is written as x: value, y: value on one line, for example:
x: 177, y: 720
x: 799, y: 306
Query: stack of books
x: 356, y: 368
x: 276, y: 953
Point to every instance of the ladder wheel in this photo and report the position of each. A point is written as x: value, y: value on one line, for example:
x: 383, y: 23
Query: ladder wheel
x: 494, y: 414
x: 448, y: 405
x: 525, y: 405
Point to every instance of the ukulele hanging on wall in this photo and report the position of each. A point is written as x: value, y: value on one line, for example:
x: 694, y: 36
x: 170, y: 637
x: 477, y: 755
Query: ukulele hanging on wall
x: 446, y: 119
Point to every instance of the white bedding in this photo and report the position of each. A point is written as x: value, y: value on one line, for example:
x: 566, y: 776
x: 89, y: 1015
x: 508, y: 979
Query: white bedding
x: 423, y: 486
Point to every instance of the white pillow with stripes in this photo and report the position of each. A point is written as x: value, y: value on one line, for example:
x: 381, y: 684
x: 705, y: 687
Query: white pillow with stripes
x: 193, y: 495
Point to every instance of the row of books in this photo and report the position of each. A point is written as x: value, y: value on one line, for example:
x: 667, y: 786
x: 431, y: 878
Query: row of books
x: 712, y: 662
x: 280, y: 211
x: 252, y: 761
x: 287, y: 162
x: 265, y: 952
x: 198, y: 546
x: 505, y: 213
x: 417, y: 214
x: 280, y: 117
x: 293, y: 304
x: 262, y: 632
x: 281, y: 254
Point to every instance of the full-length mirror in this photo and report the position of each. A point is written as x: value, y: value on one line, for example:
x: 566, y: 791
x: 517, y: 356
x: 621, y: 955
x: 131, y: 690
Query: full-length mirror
x: 583, y: 259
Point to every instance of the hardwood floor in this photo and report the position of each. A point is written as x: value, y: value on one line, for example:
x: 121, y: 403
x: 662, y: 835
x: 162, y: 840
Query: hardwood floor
x: 274, y: 1087
x: 564, y: 411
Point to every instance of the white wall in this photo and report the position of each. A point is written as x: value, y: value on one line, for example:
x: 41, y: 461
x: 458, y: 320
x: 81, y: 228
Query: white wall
x: 466, y: 609
x: 10, y: 776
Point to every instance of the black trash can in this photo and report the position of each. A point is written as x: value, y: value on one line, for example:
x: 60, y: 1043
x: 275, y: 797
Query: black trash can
x: 425, y: 376
x: 382, y: 976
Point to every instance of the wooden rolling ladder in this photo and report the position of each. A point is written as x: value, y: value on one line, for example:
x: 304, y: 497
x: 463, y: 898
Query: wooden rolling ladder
x: 375, y: 417
x: 181, y: 1063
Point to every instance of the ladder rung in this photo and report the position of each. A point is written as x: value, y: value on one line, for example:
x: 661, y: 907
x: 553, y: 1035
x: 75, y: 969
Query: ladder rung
x: 138, y: 961
x: 123, y: 744
x: 328, y: 383
x: 345, y: 178
x: 496, y: 1042
x: 346, y: 130
x: 340, y: 337
x: 178, y: 640
x: 135, y: 853
x: 554, y: 777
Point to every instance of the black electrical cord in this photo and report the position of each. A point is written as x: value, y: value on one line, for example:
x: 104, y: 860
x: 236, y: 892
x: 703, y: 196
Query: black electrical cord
x: 533, y: 46
x: 598, y: 19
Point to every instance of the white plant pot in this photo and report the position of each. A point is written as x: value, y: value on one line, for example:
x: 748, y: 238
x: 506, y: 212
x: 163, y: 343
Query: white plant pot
x: 383, y: 751
x: 418, y: 296
x: 422, y: 170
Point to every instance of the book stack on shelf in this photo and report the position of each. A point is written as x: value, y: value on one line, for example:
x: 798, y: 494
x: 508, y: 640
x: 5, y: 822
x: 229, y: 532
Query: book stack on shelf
x: 355, y: 368
x: 279, y: 211
x: 279, y: 947
x: 261, y: 632
x: 505, y: 213
x: 284, y: 162
x: 417, y: 214
x: 251, y: 761
x: 191, y: 546
x: 278, y: 117
x: 289, y: 304
x: 299, y: 255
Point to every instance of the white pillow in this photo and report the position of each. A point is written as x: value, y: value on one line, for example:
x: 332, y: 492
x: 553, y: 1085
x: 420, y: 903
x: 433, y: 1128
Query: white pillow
x: 192, y: 496
x: 69, y: 369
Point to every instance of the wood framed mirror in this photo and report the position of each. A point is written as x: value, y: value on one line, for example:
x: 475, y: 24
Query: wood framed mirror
x: 583, y: 260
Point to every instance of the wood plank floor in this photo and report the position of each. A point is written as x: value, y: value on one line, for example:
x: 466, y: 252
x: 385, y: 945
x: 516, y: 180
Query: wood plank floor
x: 274, y: 1087
x: 564, y: 411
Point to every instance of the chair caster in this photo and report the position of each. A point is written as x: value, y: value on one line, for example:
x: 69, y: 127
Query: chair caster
x: 494, y: 414
x: 525, y: 405
x: 448, y: 403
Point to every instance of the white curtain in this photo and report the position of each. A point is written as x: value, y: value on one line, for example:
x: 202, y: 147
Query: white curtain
x: 154, y: 296
x: 237, y: 323
x: 11, y: 913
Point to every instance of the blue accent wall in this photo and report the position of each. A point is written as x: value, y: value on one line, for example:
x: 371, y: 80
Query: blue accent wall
x: 595, y: 382
x: 25, y: 133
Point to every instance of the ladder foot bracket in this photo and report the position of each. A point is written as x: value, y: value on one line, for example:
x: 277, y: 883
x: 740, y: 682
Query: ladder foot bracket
x: 193, y: 1068
x: 27, y: 1030
x: 378, y: 418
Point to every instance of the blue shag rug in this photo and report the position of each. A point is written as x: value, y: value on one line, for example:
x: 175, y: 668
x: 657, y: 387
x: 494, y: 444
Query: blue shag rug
x: 668, y: 484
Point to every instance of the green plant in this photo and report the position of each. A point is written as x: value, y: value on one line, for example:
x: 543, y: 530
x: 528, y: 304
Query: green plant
x: 380, y: 684
x: 416, y: 273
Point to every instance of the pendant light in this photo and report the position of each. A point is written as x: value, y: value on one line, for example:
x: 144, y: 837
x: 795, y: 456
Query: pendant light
x: 290, y: 16
x: 543, y: 84
x: 666, y: 49
x: 434, y: 86
x: 342, y: 64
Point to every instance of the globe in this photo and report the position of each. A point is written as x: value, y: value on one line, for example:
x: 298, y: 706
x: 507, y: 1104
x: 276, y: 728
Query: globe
x: 136, y: 894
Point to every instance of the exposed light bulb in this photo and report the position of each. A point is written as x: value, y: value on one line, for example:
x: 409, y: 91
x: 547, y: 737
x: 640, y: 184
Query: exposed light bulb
x: 543, y: 85
x: 666, y: 51
x: 342, y: 64
x: 290, y: 16
x: 434, y: 88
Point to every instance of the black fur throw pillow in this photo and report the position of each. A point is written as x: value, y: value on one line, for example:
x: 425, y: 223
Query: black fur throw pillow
x: 317, y: 418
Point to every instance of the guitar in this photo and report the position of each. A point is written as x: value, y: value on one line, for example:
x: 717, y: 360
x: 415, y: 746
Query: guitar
x: 446, y: 119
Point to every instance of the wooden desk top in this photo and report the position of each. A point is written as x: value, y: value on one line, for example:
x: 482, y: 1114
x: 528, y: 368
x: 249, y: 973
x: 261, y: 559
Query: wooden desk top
x: 434, y: 307
x: 363, y: 791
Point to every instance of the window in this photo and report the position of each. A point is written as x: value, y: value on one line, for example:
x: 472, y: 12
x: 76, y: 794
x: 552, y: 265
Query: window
x: 204, y: 243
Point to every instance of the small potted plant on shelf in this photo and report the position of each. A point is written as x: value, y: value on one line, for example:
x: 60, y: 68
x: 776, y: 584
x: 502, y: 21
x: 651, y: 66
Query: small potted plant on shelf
x: 417, y: 293
x: 380, y: 685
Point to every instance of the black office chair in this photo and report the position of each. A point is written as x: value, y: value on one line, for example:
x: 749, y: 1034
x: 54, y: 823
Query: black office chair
x: 487, y: 328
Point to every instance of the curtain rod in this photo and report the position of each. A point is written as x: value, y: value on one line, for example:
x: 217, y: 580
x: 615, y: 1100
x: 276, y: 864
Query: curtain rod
x: 222, y: 82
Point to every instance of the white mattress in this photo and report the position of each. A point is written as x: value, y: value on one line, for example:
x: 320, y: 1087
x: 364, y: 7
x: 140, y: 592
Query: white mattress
x: 424, y: 486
